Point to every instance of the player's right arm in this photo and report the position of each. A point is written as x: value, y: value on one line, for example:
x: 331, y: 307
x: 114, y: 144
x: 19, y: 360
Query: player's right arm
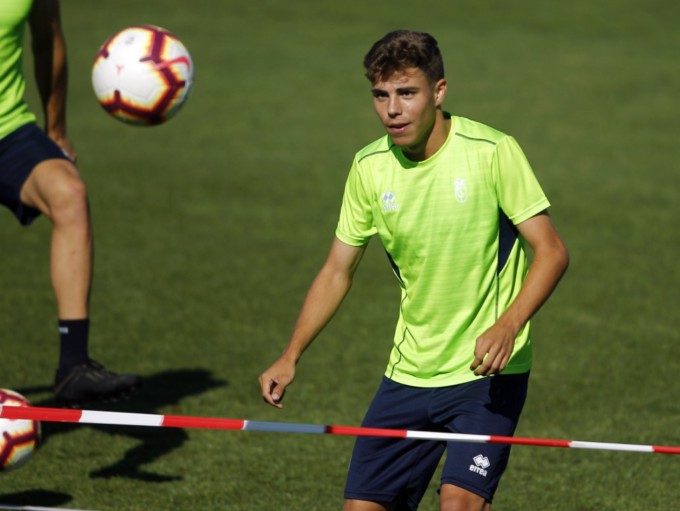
x: 51, y: 69
x: 323, y: 299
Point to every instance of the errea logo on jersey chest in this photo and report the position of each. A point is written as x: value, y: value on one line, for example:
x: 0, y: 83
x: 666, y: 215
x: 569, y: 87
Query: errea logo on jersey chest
x: 389, y: 201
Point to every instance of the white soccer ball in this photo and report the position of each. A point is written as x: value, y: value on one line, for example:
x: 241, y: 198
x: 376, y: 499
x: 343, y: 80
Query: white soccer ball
x: 142, y: 75
x: 19, y: 438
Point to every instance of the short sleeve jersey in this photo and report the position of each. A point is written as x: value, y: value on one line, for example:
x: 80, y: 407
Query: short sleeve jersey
x: 448, y: 227
x: 14, y: 110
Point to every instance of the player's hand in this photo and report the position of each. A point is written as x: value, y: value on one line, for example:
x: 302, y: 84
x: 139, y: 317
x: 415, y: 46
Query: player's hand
x: 65, y: 144
x: 273, y: 381
x: 493, y: 350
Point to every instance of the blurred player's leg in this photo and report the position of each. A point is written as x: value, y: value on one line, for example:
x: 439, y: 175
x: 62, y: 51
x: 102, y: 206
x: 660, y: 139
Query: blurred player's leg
x: 56, y: 190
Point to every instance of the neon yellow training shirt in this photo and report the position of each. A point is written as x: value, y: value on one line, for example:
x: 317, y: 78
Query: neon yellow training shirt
x: 13, y: 108
x: 447, y: 225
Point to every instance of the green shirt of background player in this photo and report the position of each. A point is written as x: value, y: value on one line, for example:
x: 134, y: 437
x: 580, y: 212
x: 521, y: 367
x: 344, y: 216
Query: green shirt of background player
x: 38, y: 176
x: 409, y: 88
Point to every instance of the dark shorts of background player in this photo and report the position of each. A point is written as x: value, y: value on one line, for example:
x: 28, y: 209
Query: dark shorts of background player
x: 398, y: 471
x: 20, y: 152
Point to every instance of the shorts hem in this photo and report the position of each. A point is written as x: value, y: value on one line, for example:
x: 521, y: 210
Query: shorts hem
x: 477, y: 491
x: 21, y: 151
x: 370, y: 496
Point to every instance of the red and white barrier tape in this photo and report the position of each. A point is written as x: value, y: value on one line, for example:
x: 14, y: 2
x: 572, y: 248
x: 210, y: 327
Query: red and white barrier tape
x: 180, y: 421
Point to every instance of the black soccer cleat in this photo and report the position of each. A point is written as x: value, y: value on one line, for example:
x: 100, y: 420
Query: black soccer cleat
x: 92, y: 382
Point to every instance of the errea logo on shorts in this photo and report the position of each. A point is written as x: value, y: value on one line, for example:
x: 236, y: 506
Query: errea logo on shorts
x: 480, y: 466
x: 388, y: 199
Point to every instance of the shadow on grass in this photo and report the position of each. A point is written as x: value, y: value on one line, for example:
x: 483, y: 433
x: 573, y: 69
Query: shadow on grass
x: 160, y: 390
x: 35, y: 498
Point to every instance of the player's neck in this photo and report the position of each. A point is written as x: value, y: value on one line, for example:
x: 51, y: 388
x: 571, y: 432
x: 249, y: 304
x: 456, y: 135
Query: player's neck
x: 435, y: 140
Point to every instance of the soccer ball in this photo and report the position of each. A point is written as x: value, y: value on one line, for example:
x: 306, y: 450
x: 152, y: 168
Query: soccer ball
x: 142, y: 75
x: 19, y: 438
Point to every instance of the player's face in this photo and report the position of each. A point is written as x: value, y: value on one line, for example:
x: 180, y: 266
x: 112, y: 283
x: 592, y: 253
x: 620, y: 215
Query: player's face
x: 407, y: 105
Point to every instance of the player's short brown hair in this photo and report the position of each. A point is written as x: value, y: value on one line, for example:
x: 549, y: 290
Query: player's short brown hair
x: 404, y: 49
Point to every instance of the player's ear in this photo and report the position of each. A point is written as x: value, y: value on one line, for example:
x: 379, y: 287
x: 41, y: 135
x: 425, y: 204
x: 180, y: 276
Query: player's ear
x: 440, y: 91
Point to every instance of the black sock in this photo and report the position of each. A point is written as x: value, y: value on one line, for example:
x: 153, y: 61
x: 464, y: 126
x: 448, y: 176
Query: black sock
x: 74, y: 339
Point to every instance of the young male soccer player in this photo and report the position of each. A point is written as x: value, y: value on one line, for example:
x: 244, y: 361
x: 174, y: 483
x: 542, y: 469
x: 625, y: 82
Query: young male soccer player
x: 38, y: 176
x: 453, y: 202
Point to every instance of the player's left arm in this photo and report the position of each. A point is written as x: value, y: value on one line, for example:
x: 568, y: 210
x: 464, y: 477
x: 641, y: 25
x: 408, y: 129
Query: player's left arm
x: 494, y: 347
x: 51, y: 70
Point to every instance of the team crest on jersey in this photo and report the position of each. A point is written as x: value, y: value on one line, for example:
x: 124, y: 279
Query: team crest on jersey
x: 460, y: 190
x: 389, y: 201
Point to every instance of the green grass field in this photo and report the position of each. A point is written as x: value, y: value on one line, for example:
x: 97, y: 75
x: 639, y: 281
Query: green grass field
x: 210, y: 228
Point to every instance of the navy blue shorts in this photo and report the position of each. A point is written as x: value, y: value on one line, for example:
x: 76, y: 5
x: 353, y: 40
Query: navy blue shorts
x: 398, y: 471
x: 20, y: 152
